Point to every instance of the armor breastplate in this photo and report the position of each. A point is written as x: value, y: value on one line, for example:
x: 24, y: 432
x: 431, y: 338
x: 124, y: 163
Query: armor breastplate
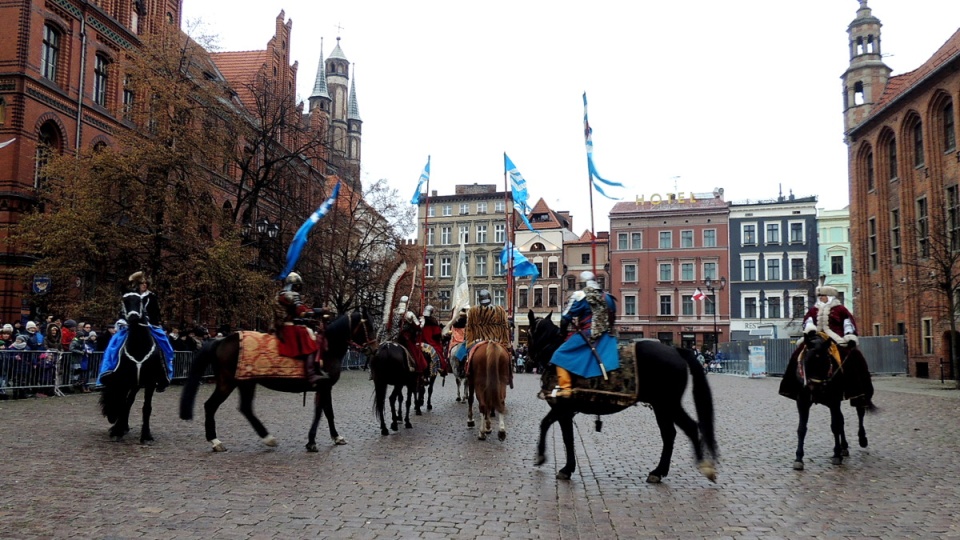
x: 600, y: 320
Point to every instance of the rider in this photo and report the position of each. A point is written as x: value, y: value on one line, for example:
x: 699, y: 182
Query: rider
x: 295, y: 339
x: 139, y: 283
x: 486, y: 322
x: 433, y: 336
x: 591, y: 341
x: 456, y: 348
x: 832, y: 318
x: 405, y: 330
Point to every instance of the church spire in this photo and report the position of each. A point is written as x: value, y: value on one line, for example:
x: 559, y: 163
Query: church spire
x: 353, y: 110
x: 320, y: 85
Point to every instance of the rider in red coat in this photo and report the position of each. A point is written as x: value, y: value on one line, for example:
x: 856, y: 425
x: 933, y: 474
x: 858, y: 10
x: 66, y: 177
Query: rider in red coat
x: 433, y: 336
x: 405, y: 330
x: 296, y: 340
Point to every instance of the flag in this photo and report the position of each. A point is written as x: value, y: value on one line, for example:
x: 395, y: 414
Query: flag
x: 698, y: 295
x: 300, y: 239
x: 424, y: 177
x: 595, y: 179
x: 461, y: 290
x: 521, y: 265
x: 518, y: 189
x: 8, y: 143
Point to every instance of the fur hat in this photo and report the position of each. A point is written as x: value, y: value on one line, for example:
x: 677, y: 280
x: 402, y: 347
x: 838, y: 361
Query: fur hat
x: 8, y: 328
x: 826, y: 290
x: 137, y: 278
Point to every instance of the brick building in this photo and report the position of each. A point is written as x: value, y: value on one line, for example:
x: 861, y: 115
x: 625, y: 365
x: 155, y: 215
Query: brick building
x: 904, y: 176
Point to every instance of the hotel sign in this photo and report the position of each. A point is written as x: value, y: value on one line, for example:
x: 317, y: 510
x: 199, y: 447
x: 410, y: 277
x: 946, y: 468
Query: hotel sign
x: 668, y: 198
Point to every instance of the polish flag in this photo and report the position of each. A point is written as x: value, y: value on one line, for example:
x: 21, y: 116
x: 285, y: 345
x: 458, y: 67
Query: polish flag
x: 699, y: 295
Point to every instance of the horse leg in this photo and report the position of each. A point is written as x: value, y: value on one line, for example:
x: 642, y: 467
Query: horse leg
x: 484, y: 424
x: 419, y: 390
x: 836, y: 425
x: 861, y: 433
x: 469, y: 391
x: 396, y: 401
x: 666, y: 415
x: 145, y: 436
x: 411, y: 390
x: 803, y: 410
x: 209, y: 415
x: 247, y: 391
x: 317, y: 413
x: 502, y: 428
x: 459, y: 383
x: 430, y: 393
x: 566, y: 432
x: 122, y: 426
x: 540, y: 458
x: 689, y: 426
x: 325, y: 395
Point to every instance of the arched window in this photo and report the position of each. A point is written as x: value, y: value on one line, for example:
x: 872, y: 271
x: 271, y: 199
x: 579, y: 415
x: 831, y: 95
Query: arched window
x: 892, y: 157
x: 868, y: 167
x: 949, y: 132
x: 50, y: 52
x: 101, y: 69
x: 537, y: 247
x: 918, y: 160
x: 49, y: 142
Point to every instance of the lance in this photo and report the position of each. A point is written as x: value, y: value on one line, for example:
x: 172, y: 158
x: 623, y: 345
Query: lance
x: 596, y: 355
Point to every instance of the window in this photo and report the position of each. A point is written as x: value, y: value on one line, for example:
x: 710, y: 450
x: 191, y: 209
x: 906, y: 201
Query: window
x: 686, y: 305
x: 799, y: 307
x: 686, y: 239
x: 773, y: 307
x: 48, y: 143
x: 50, y: 53
x: 552, y: 269
x: 538, y: 297
x: 499, y: 233
x: 749, y: 234
x: 552, y: 297
x: 481, y: 208
x: 750, y: 308
x: 797, y: 266
x: 481, y: 234
x: 666, y: 272
x: 953, y: 218
x: 428, y: 267
x: 128, y: 99
x: 773, y: 233
x: 539, y: 266
x: 444, y: 266
x: 447, y: 210
x: 622, y: 241
x: 636, y: 241
x: 709, y: 270
x: 895, y: 236
x: 100, y: 72
x: 872, y: 242
x: 750, y: 270
x: 773, y: 270
x: 630, y: 305
x: 892, y: 158
x: 918, y: 160
x: 796, y: 232
x: 666, y: 304
x: 584, y: 258
x: 927, y: 337
x: 3, y: 111
x: 666, y: 239
x: 464, y: 209
x: 949, y: 133
x: 497, y: 267
x: 444, y: 297
x: 481, y: 265
x: 464, y: 234
x: 431, y: 211
x: 431, y: 237
x: 445, y: 233
x: 836, y: 264
x: 686, y: 271
x: 630, y: 273
x: 499, y: 297
x: 571, y: 283
x: 870, y: 182
x: 710, y: 305
x: 498, y: 207
x: 710, y: 238
x: 923, y: 228
x: 522, y: 297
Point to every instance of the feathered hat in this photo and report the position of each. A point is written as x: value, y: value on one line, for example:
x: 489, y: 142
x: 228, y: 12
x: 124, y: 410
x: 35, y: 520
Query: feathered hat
x: 137, y: 278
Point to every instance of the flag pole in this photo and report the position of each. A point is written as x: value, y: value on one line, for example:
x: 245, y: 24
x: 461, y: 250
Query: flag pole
x: 509, y: 235
x: 423, y: 260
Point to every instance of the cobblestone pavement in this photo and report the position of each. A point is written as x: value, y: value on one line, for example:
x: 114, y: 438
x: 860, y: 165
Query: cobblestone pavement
x: 62, y: 477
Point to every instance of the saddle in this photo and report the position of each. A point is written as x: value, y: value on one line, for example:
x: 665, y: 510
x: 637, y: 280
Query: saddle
x: 260, y: 358
x: 618, y: 391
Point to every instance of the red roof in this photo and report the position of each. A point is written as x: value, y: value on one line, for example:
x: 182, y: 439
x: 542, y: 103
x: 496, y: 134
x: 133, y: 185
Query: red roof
x: 900, y: 84
x: 240, y: 68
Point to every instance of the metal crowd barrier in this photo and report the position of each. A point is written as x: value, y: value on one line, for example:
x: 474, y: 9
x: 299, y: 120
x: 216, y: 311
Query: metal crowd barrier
x: 885, y: 355
x: 354, y: 360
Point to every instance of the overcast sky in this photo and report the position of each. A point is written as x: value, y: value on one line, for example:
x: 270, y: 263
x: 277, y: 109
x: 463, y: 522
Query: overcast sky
x: 684, y: 95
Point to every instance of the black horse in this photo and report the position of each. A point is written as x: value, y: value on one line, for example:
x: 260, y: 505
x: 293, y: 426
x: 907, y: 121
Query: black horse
x: 662, y: 373
x: 822, y: 381
x: 223, y: 353
x: 141, y: 365
x: 390, y: 367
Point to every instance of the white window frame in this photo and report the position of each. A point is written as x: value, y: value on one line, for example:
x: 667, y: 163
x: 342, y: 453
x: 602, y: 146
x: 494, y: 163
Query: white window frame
x: 743, y: 233
x: 448, y: 210
x: 638, y: 236
x: 630, y: 301
x: 499, y: 233
x: 463, y: 233
x: 713, y: 241
x: 665, y: 269
x: 790, y: 258
x: 498, y: 207
x: 480, y: 263
x: 803, y: 231
x: 661, y: 237
x: 428, y: 267
x: 766, y: 237
x: 766, y: 269
x: 626, y: 267
x: 623, y: 241
x: 683, y: 238
x: 481, y: 234
x: 693, y: 271
x: 431, y: 236
x: 464, y: 209
x: 445, y: 265
x: 481, y: 208
x: 708, y: 274
x: 756, y: 266
x: 445, y: 233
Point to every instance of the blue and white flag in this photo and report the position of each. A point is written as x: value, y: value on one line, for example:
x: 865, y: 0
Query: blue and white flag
x: 518, y: 189
x: 521, y: 265
x: 300, y: 239
x: 595, y: 178
x: 424, y: 177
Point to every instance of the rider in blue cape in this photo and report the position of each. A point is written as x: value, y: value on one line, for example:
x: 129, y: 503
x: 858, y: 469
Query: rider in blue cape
x: 111, y: 357
x: 590, y: 342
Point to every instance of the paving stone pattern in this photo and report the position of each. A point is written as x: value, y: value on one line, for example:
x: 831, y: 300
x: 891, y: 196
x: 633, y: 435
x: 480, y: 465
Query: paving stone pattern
x: 62, y: 477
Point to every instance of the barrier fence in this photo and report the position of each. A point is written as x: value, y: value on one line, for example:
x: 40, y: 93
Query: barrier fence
x: 885, y: 355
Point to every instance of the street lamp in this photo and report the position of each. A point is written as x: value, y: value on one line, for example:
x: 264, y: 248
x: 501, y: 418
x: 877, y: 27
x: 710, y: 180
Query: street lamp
x: 709, y: 283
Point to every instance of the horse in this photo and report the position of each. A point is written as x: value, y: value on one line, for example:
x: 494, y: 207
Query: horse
x: 390, y: 366
x: 141, y: 365
x: 223, y: 353
x: 662, y: 373
x: 429, y: 376
x: 488, y: 374
x: 823, y: 381
x: 456, y: 369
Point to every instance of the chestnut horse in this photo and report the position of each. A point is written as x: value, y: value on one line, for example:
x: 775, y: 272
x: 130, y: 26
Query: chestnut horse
x: 223, y: 354
x: 488, y: 374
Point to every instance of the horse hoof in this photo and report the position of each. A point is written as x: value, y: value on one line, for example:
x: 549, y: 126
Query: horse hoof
x: 408, y: 425
x: 458, y: 400
x: 419, y: 412
x: 563, y: 475
x: 270, y: 441
x: 798, y: 465
x: 709, y: 470
x: 312, y: 447
x: 502, y: 435
x: 116, y: 438
x: 836, y: 460
x: 219, y: 447
x: 863, y: 441
x: 845, y: 453
x: 394, y: 427
x: 482, y: 436
x: 470, y: 423
x: 339, y: 441
x: 146, y: 440
x: 654, y: 479
x: 429, y: 407
x: 539, y: 460
x: 384, y: 432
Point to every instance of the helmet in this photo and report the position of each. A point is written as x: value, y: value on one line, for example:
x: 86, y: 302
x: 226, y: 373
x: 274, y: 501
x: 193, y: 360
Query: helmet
x: 485, y: 298
x: 428, y: 311
x: 404, y: 299
x: 293, y: 278
x: 587, y: 276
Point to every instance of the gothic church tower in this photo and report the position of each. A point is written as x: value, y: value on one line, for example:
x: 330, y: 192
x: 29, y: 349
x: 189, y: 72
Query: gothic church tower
x: 335, y: 112
x: 866, y: 77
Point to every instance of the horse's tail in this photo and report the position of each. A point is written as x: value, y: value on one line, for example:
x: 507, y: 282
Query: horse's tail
x: 702, y: 400
x: 198, y: 367
x: 379, y: 386
x: 113, y: 398
x: 495, y: 378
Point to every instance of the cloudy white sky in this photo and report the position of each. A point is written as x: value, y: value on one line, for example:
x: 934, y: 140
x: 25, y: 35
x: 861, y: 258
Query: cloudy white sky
x: 684, y: 96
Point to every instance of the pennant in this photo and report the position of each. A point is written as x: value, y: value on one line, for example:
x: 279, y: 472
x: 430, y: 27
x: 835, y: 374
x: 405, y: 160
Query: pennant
x: 424, y: 177
x: 698, y: 295
x: 518, y: 190
x: 461, y: 290
x: 521, y: 265
x: 595, y: 178
x: 8, y: 143
x: 300, y: 239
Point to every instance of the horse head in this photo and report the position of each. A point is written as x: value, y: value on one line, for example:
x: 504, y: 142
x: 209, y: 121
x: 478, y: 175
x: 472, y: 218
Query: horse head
x: 133, y: 308
x: 819, y: 364
x: 362, y: 332
x: 543, y: 337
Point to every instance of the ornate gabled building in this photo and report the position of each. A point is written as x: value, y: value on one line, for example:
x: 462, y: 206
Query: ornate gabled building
x: 904, y: 177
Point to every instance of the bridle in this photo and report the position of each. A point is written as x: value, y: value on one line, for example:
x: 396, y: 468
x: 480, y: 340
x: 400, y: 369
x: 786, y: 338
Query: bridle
x: 124, y: 352
x: 369, y: 342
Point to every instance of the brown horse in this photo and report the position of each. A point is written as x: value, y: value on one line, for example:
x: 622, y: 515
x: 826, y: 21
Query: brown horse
x: 223, y: 354
x: 488, y: 375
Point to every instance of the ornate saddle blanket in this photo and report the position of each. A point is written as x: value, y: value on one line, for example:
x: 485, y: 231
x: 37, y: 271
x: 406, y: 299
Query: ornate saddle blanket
x: 259, y: 359
x: 617, y: 392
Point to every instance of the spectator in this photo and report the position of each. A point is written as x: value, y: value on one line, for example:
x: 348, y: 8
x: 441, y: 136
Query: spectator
x: 89, y: 347
x: 34, y: 338
x: 102, y: 340
x: 86, y: 329
x: 6, y: 336
x: 67, y: 333
x: 52, y: 339
x: 18, y: 329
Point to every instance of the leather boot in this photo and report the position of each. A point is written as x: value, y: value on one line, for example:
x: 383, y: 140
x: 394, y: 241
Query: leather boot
x: 314, y: 373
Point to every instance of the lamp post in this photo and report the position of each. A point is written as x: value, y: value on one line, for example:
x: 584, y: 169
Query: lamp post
x: 257, y: 235
x: 709, y: 283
